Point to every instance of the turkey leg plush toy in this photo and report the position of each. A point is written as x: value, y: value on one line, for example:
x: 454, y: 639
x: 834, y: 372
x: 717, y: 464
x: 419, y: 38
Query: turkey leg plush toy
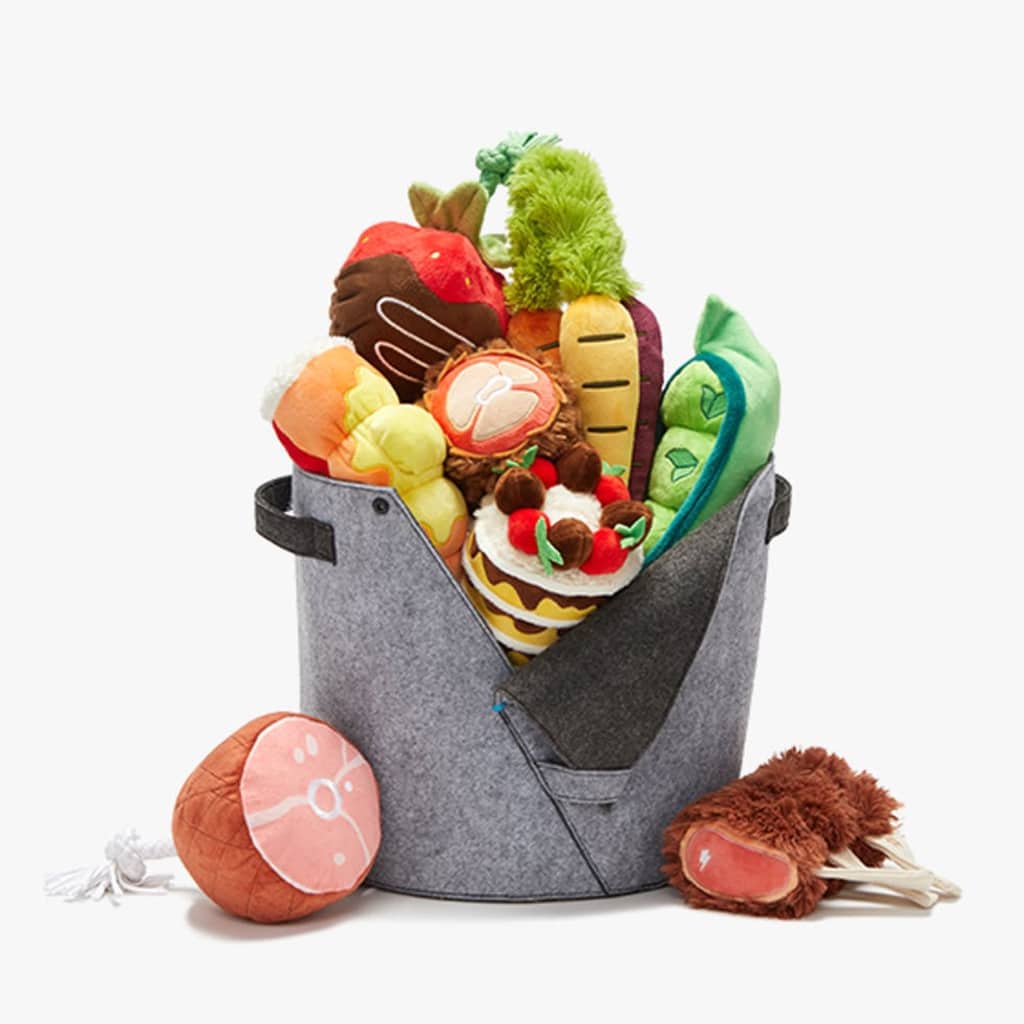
x: 795, y: 830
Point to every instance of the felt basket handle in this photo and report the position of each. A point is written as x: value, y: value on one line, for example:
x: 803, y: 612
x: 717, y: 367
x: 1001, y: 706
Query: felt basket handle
x: 300, y: 535
x: 778, y: 516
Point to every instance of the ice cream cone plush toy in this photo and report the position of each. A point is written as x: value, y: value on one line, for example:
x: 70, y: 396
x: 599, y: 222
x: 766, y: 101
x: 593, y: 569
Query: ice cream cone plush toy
x: 337, y: 415
x: 550, y: 544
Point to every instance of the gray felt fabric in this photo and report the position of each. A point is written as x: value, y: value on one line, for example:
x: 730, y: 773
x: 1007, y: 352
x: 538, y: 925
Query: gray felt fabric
x: 700, y: 745
x: 602, y: 692
x: 479, y: 804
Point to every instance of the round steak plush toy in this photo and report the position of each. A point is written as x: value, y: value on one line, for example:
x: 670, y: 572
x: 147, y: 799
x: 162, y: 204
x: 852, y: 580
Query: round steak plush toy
x: 493, y: 404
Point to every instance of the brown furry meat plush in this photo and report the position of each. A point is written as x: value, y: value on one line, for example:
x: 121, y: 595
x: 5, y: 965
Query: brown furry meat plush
x: 795, y: 830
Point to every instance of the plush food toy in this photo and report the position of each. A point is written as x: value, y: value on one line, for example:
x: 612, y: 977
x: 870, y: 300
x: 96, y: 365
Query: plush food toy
x: 407, y: 295
x: 652, y: 375
x: 599, y: 350
x: 278, y: 821
x: 720, y: 413
x: 493, y: 404
x: 536, y: 332
x: 337, y: 415
x: 797, y: 829
x: 566, y: 249
x: 550, y: 544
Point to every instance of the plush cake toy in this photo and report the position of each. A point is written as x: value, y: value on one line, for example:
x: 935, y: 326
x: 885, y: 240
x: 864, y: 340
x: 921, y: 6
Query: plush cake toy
x: 336, y: 415
x: 552, y: 542
x: 493, y: 404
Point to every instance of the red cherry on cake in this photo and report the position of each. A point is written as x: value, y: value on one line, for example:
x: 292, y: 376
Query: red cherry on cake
x: 611, y: 488
x: 545, y: 471
x: 522, y: 529
x: 608, y: 555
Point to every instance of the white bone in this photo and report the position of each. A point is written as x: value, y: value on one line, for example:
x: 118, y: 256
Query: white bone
x: 912, y: 885
x: 896, y: 848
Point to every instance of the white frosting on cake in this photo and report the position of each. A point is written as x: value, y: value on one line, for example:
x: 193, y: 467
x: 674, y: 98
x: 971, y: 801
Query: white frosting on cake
x: 491, y: 528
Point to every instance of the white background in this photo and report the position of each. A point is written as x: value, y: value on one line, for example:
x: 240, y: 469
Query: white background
x: 180, y: 185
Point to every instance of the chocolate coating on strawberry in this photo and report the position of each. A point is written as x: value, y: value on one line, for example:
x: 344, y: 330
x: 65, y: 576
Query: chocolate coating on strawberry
x: 519, y: 488
x: 626, y: 513
x: 385, y: 305
x: 573, y: 540
x: 580, y: 468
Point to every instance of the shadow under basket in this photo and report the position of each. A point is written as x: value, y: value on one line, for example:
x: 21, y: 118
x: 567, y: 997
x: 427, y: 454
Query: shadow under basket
x: 548, y: 782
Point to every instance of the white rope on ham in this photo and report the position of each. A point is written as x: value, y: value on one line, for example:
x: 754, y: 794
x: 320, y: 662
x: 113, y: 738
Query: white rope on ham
x: 124, y: 871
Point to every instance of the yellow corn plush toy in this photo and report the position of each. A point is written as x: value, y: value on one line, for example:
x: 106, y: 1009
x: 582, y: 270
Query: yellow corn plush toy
x: 338, y: 416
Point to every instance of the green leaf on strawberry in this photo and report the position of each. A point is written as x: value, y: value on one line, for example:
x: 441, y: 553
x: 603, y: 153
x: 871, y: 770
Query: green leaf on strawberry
x: 461, y: 210
x: 425, y: 201
x: 548, y: 554
x: 630, y: 536
x: 495, y: 251
x: 608, y: 469
x: 528, y: 459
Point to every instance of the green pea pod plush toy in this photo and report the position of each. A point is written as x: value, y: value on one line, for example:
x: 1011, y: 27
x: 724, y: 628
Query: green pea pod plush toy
x: 719, y: 415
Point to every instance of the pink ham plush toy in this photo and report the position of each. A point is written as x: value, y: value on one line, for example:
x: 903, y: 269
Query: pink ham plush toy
x: 279, y: 820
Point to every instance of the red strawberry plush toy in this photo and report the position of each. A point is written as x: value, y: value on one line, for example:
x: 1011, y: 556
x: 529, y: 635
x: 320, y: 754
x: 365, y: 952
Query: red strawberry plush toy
x: 406, y: 296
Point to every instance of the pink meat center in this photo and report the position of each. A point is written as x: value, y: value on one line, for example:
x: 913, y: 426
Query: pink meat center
x: 723, y: 864
x: 311, y: 805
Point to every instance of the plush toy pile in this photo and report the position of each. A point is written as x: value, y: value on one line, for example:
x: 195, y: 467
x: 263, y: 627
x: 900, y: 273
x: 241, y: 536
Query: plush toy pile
x: 507, y: 388
x: 470, y: 394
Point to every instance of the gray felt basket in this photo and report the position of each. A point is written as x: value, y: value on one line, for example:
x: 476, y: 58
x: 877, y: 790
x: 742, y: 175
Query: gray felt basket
x: 551, y: 781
